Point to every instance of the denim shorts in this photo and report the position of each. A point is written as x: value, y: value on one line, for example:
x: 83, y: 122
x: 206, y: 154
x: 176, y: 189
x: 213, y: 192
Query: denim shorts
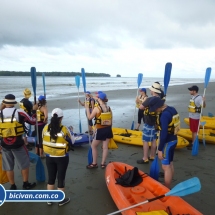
x: 168, y: 152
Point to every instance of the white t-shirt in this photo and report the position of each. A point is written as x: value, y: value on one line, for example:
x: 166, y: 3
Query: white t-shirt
x: 198, y: 102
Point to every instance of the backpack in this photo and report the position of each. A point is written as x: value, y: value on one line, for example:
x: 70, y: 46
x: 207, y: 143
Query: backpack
x: 130, y: 178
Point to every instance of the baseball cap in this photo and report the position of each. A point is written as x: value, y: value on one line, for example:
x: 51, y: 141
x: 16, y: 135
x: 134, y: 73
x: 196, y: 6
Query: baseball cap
x: 57, y: 111
x: 40, y: 98
x: 142, y: 90
x: 155, y: 103
x: 193, y: 88
x: 102, y: 96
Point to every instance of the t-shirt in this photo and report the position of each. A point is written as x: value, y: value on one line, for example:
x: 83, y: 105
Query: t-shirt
x: 198, y: 102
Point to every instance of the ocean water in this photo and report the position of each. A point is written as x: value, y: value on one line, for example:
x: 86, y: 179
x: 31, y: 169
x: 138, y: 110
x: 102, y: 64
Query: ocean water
x: 66, y: 86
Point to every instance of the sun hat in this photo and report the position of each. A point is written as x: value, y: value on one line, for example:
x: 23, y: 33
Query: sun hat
x: 143, y: 90
x: 102, y: 96
x: 57, y: 111
x: 194, y: 88
x: 155, y: 88
x: 27, y: 93
x: 40, y: 98
x: 9, y: 99
x: 155, y: 103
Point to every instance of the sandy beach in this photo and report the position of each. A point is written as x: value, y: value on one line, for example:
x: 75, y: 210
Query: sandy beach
x: 87, y: 188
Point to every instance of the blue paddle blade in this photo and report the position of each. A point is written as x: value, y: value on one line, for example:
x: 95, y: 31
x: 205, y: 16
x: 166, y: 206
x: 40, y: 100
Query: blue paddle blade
x: 77, y: 81
x: 207, y: 76
x: 90, y: 156
x: 83, y: 79
x: 33, y: 79
x: 184, y: 188
x: 132, y: 126
x: 139, y: 79
x: 154, y: 169
x: 195, y: 148
x: 167, y: 75
x: 80, y: 128
x: 210, y: 114
x: 203, y: 123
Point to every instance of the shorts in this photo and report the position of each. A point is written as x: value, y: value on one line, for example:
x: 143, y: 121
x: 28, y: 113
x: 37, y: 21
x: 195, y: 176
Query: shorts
x: 168, y: 152
x: 140, y: 116
x: 90, y: 122
x: 103, y: 133
x: 20, y: 155
x: 149, y: 133
x: 194, y: 124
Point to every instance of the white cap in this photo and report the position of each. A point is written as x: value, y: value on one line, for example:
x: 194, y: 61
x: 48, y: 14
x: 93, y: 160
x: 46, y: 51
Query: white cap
x: 57, y: 111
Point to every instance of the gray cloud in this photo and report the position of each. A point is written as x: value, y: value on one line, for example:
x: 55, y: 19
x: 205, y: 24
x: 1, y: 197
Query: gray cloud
x: 155, y: 24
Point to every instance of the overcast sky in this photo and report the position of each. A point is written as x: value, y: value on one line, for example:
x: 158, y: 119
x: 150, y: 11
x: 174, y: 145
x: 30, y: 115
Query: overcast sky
x: 124, y: 37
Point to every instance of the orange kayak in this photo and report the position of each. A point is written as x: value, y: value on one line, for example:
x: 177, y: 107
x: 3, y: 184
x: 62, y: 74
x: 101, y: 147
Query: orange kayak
x: 149, y: 188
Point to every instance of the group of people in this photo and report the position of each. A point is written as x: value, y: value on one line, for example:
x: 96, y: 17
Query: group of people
x: 161, y: 123
x: 54, y: 139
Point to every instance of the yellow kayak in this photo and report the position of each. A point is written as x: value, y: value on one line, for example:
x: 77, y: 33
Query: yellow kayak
x: 123, y: 135
x: 209, y: 135
x: 210, y: 122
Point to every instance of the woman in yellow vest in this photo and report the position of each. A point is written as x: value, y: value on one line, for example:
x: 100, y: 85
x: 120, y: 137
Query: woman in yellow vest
x: 103, y: 129
x: 57, y: 141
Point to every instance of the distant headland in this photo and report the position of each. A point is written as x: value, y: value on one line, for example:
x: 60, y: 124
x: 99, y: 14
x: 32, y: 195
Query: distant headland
x: 88, y: 74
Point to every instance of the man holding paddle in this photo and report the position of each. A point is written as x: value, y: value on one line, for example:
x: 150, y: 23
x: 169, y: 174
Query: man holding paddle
x: 194, y: 110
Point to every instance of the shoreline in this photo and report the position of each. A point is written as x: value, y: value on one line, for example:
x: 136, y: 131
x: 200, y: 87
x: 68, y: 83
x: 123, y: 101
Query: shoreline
x: 87, y: 188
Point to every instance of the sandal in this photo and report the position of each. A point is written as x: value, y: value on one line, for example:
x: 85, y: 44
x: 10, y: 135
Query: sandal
x: 103, y: 166
x: 92, y: 166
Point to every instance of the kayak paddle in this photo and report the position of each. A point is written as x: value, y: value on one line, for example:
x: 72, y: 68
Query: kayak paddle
x: 154, y: 168
x: 203, y: 134
x: 139, y: 81
x: 44, y: 84
x: 90, y: 155
x: 195, y: 148
x: 34, y: 84
x: 167, y: 75
x: 184, y: 188
x: 77, y: 82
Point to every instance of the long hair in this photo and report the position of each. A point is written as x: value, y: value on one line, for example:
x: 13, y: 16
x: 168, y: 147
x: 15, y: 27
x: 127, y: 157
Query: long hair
x: 41, y: 102
x: 54, y: 126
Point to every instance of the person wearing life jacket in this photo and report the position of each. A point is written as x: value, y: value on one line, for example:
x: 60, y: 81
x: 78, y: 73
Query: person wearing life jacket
x: 89, y: 100
x: 150, y: 131
x: 57, y: 141
x: 139, y: 100
x: 168, y: 123
x: 194, y: 109
x: 27, y: 106
x: 13, y: 146
x: 42, y: 118
x: 103, y: 129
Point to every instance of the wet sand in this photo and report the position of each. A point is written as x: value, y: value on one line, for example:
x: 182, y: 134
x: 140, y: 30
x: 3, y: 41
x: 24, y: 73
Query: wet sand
x: 87, y: 188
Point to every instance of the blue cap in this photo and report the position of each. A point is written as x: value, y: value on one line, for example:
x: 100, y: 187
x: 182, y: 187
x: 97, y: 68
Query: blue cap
x: 155, y: 103
x: 40, y: 98
x: 102, y: 96
x: 143, y: 90
x: 88, y: 92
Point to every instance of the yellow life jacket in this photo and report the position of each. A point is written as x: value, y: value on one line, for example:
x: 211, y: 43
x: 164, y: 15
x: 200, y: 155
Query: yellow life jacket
x: 147, y: 113
x: 58, y: 147
x: 88, y: 101
x: 103, y: 118
x: 21, y: 105
x: 10, y: 127
x: 174, y: 125
x: 192, y: 108
x: 141, y: 98
x: 40, y: 115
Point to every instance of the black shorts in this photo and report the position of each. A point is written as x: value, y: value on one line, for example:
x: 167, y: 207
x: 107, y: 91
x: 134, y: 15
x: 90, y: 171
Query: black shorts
x: 90, y: 122
x: 103, y: 133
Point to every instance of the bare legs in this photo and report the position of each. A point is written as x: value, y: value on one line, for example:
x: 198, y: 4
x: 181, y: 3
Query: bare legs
x: 168, y: 174
x: 146, y: 149
x: 10, y: 175
x: 94, y: 145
